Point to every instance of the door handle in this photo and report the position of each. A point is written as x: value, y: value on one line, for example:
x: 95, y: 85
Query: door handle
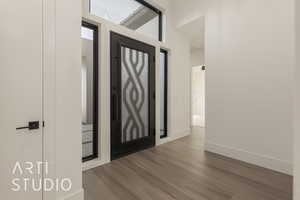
x: 33, y: 125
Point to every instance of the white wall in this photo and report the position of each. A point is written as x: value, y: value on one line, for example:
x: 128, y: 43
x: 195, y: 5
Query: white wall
x: 179, y: 77
x: 249, y: 81
x: 297, y: 109
x: 197, y: 87
x: 150, y: 28
x: 68, y: 97
x: 249, y: 60
x: 197, y: 57
x: 190, y: 10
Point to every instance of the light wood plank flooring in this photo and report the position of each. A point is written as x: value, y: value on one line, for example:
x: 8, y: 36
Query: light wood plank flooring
x: 182, y: 170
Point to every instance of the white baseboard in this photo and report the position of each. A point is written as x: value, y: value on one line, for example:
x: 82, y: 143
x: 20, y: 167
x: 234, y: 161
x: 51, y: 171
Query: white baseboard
x: 78, y: 195
x: 93, y: 164
x: 164, y: 140
x: 252, y: 158
x: 179, y: 134
x: 174, y: 136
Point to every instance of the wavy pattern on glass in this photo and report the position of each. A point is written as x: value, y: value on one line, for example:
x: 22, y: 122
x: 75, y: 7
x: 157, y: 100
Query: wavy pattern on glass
x: 134, y: 94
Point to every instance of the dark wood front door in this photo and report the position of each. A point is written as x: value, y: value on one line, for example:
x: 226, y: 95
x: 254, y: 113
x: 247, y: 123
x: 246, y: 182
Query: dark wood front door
x: 132, y: 95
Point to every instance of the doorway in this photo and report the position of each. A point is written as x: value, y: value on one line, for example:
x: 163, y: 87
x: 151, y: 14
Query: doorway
x: 198, y: 73
x: 132, y: 95
x: 198, y: 96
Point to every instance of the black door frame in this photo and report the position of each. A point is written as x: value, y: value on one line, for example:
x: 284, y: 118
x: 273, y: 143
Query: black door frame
x: 95, y: 90
x: 119, y: 149
x: 160, y: 17
x: 166, y: 63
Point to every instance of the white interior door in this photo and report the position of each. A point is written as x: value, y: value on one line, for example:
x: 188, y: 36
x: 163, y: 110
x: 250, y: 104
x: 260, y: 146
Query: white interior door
x: 21, y: 101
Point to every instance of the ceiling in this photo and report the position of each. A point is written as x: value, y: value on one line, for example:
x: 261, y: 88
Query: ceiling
x: 194, y: 31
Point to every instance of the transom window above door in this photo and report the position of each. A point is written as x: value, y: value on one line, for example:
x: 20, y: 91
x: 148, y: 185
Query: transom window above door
x: 136, y: 15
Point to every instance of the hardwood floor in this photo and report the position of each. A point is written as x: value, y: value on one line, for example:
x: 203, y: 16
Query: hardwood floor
x: 182, y: 170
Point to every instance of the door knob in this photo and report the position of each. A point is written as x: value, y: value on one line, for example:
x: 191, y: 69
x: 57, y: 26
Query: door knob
x: 31, y: 126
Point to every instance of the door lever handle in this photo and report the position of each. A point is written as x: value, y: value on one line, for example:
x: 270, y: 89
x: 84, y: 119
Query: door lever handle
x: 31, y: 126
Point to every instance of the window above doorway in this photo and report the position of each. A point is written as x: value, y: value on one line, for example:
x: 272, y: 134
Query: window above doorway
x: 136, y: 15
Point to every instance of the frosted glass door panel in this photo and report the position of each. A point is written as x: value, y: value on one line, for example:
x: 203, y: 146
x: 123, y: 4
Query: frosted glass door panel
x: 135, y: 105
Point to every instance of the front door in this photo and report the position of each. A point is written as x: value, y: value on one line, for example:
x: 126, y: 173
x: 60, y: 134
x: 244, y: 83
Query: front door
x: 21, y: 97
x: 132, y: 95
